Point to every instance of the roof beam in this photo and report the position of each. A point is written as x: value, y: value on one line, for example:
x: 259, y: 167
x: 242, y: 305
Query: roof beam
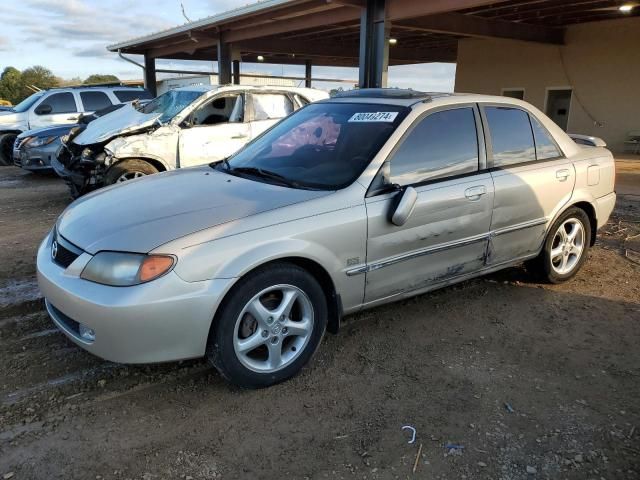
x: 188, y: 46
x: 472, y: 26
x: 402, y: 9
x: 330, y: 17
x: 348, y: 51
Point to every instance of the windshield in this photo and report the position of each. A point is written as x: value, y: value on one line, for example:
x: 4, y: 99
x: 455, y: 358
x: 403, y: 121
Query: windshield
x: 324, y: 146
x: 171, y: 103
x: 26, y: 104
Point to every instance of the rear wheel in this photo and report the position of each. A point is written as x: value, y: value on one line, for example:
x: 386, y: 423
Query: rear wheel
x: 565, y: 249
x: 128, y: 170
x: 268, y: 327
x: 6, y: 149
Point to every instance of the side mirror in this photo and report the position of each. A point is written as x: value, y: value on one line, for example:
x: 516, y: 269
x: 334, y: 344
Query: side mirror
x: 404, y: 207
x: 43, y: 109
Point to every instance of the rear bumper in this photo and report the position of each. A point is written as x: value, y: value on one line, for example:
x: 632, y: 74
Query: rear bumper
x: 164, y: 320
x: 604, y: 207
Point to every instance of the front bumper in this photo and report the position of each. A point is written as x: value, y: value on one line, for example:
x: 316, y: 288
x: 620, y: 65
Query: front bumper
x: 163, y: 320
x: 36, y: 159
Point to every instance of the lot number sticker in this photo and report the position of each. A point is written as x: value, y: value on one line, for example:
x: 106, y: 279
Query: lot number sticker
x: 374, y: 117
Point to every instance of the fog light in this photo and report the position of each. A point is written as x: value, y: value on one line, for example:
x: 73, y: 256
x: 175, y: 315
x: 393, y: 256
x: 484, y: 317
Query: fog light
x: 87, y: 333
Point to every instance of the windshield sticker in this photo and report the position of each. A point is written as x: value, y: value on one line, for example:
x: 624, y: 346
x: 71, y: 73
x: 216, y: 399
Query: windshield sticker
x: 374, y: 117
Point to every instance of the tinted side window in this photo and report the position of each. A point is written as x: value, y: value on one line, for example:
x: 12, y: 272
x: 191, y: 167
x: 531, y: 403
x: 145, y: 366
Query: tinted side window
x: 131, y: 95
x: 442, y: 145
x: 93, y: 101
x: 511, y: 136
x: 268, y: 106
x: 545, y: 146
x: 61, y: 103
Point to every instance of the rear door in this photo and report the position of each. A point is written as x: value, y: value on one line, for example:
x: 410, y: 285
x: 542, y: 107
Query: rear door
x: 94, y: 100
x: 443, y: 157
x: 55, y: 108
x: 266, y: 108
x: 533, y: 181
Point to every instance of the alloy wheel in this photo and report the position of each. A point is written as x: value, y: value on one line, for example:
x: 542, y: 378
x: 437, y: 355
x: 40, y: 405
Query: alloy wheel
x: 567, y: 246
x: 273, y: 328
x: 129, y: 176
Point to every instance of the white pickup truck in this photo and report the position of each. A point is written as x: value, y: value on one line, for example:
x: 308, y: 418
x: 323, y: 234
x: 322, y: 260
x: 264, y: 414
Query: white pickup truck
x: 59, y: 106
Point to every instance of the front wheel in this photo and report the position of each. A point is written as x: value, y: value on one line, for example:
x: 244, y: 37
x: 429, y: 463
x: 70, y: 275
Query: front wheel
x: 128, y: 170
x: 6, y: 149
x: 565, y: 248
x: 268, y: 327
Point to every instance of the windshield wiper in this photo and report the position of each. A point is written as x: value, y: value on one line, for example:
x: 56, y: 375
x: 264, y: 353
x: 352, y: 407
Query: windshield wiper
x: 259, y: 172
x: 223, y: 162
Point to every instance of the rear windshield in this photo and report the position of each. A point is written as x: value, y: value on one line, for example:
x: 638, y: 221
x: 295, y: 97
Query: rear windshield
x: 171, y: 103
x: 324, y: 146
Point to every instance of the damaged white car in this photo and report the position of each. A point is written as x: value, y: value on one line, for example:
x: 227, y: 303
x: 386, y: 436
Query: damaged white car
x: 184, y: 127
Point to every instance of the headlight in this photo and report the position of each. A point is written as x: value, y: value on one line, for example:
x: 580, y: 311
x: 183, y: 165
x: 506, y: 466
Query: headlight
x: 86, y: 155
x: 24, y: 141
x: 125, y: 269
x: 40, y: 141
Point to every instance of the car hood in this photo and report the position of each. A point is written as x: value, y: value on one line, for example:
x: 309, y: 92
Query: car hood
x: 124, y: 120
x: 13, y: 120
x: 54, y: 130
x: 140, y: 215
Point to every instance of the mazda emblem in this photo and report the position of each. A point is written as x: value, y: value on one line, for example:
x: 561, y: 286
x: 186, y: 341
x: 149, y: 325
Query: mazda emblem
x: 54, y: 249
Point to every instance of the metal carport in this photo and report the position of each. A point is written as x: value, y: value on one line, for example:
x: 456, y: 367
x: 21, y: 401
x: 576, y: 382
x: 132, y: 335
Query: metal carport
x: 358, y: 33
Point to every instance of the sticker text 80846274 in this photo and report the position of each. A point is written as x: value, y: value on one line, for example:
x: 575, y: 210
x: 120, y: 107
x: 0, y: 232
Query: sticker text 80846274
x: 373, y: 117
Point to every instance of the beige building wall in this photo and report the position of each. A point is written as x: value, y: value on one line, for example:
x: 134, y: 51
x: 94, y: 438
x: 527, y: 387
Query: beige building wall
x: 600, y: 62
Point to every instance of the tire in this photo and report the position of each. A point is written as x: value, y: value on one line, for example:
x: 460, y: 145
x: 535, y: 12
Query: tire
x: 252, y: 310
x: 128, y: 170
x: 6, y: 149
x: 559, y: 261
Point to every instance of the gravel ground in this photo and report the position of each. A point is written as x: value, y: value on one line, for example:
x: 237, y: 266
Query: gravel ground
x: 501, y: 377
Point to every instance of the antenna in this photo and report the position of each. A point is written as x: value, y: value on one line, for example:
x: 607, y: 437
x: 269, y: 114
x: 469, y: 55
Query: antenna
x: 183, y: 12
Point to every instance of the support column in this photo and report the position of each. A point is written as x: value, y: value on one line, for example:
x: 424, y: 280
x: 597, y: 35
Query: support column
x: 307, y: 73
x: 374, y: 45
x: 236, y: 72
x: 150, y: 75
x: 224, y: 62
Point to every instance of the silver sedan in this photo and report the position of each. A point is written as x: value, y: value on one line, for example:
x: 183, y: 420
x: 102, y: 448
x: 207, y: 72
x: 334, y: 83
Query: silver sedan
x: 349, y: 203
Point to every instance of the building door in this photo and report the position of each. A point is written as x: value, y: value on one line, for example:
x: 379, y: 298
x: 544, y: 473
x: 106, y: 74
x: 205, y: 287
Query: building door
x: 558, y: 106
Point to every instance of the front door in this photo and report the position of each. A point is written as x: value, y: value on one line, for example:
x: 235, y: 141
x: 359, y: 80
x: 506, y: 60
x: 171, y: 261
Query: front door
x: 54, y: 109
x: 532, y: 179
x: 214, y: 131
x: 441, y: 156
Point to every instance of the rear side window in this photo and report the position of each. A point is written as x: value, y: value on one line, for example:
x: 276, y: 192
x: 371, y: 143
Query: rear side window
x: 511, y: 136
x: 269, y: 106
x: 131, y: 95
x: 545, y: 146
x: 443, y: 144
x: 93, y: 101
x: 61, y: 103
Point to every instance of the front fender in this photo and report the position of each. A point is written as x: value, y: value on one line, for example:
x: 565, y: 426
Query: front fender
x: 159, y: 146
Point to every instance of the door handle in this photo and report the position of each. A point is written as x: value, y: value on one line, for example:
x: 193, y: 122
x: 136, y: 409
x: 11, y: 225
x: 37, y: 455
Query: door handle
x: 73, y: 118
x: 562, y: 175
x: 237, y: 137
x: 474, y: 193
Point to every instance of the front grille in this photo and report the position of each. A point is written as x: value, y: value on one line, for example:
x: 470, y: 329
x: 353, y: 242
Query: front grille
x: 63, y: 252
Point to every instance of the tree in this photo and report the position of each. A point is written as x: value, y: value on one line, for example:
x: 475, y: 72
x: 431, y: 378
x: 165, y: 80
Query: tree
x: 40, y: 77
x: 11, y: 85
x: 98, y: 78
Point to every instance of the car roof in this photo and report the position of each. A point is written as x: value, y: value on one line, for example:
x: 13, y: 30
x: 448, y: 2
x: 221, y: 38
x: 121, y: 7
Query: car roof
x: 226, y: 88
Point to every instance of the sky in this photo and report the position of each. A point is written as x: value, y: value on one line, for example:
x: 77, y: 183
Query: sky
x: 69, y: 38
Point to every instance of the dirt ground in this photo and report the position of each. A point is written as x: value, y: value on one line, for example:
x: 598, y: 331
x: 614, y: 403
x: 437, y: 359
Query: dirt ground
x: 501, y: 377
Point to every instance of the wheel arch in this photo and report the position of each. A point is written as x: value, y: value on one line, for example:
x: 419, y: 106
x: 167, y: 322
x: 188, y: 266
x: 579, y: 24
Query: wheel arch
x: 334, y: 303
x: 157, y: 163
x: 590, y: 210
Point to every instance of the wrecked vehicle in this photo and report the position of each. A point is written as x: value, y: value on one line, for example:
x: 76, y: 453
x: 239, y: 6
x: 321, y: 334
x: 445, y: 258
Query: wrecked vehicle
x: 34, y: 150
x: 59, y: 106
x: 182, y: 128
x: 370, y: 197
